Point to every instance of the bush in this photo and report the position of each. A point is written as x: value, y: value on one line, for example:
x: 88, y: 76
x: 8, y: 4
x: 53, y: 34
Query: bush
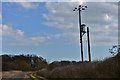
x: 108, y: 68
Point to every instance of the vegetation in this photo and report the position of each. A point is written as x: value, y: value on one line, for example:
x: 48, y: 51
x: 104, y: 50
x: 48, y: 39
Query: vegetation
x: 22, y: 62
x: 108, y: 68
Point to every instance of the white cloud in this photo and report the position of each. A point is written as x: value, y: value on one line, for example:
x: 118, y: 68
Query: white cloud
x: 19, y: 32
x: 17, y: 37
x: 0, y: 12
x: 102, y: 18
x: 59, y: 0
x: 23, y: 3
x: 71, y: 37
x: 107, y: 17
x: 0, y: 17
x: 27, y: 5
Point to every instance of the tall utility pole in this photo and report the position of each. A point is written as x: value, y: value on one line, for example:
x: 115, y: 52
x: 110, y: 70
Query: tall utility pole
x: 89, y: 54
x: 80, y: 8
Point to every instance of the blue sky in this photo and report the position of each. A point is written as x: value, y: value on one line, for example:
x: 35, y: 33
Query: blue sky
x: 50, y: 29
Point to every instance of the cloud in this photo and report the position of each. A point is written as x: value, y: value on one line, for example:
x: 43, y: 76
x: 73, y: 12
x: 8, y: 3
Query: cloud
x: 29, y: 0
x: 20, y: 32
x: 59, y: 0
x: 0, y: 17
x: 23, y: 3
x: 71, y: 37
x: 102, y: 19
x: 17, y: 37
x: 0, y: 13
x: 60, y: 15
x: 27, y: 5
x: 68, y: 37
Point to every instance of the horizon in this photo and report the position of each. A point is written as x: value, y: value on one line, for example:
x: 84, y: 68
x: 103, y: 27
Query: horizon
x: 50, y: 29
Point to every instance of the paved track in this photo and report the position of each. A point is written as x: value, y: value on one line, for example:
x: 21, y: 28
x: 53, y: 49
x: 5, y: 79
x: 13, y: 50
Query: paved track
x: 14, y: 74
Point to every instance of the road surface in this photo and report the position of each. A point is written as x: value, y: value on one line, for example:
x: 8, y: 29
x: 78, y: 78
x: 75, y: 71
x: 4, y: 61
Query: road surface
x: 20, y: 75
x: 14, y: 74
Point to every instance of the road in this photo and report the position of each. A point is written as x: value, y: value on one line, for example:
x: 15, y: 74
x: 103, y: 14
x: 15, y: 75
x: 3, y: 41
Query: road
x: 14, y: 74
x: 20, y: 75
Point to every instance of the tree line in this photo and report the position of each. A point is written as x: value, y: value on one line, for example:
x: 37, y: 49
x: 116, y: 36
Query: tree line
x: 30, y: 62
x: 22, y: 62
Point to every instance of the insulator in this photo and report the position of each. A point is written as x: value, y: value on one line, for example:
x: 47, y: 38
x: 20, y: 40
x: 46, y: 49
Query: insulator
x: 79, y: 5
x: 75, y: 8
x: 83, y: 8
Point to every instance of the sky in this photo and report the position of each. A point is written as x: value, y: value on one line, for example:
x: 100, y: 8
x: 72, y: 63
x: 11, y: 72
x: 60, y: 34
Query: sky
x: 51, y: 29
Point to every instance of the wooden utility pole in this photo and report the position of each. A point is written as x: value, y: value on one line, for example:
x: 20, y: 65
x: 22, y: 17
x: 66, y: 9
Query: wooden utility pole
x: 80, y: 8
x: 81, y: 35
x: 89, y: 54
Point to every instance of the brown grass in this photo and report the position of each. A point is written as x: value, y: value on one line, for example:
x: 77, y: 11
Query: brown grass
x: 108, y: 68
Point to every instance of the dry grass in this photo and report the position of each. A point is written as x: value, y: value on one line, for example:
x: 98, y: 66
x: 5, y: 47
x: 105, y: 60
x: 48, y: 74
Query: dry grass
x: 108, y: 68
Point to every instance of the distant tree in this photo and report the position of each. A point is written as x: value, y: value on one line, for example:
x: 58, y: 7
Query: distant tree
x: 63, y: 63
x: 23, y: 62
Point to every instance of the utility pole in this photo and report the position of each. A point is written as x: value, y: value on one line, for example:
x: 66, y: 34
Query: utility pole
x: 88, y: 37
x: 82, y: 26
